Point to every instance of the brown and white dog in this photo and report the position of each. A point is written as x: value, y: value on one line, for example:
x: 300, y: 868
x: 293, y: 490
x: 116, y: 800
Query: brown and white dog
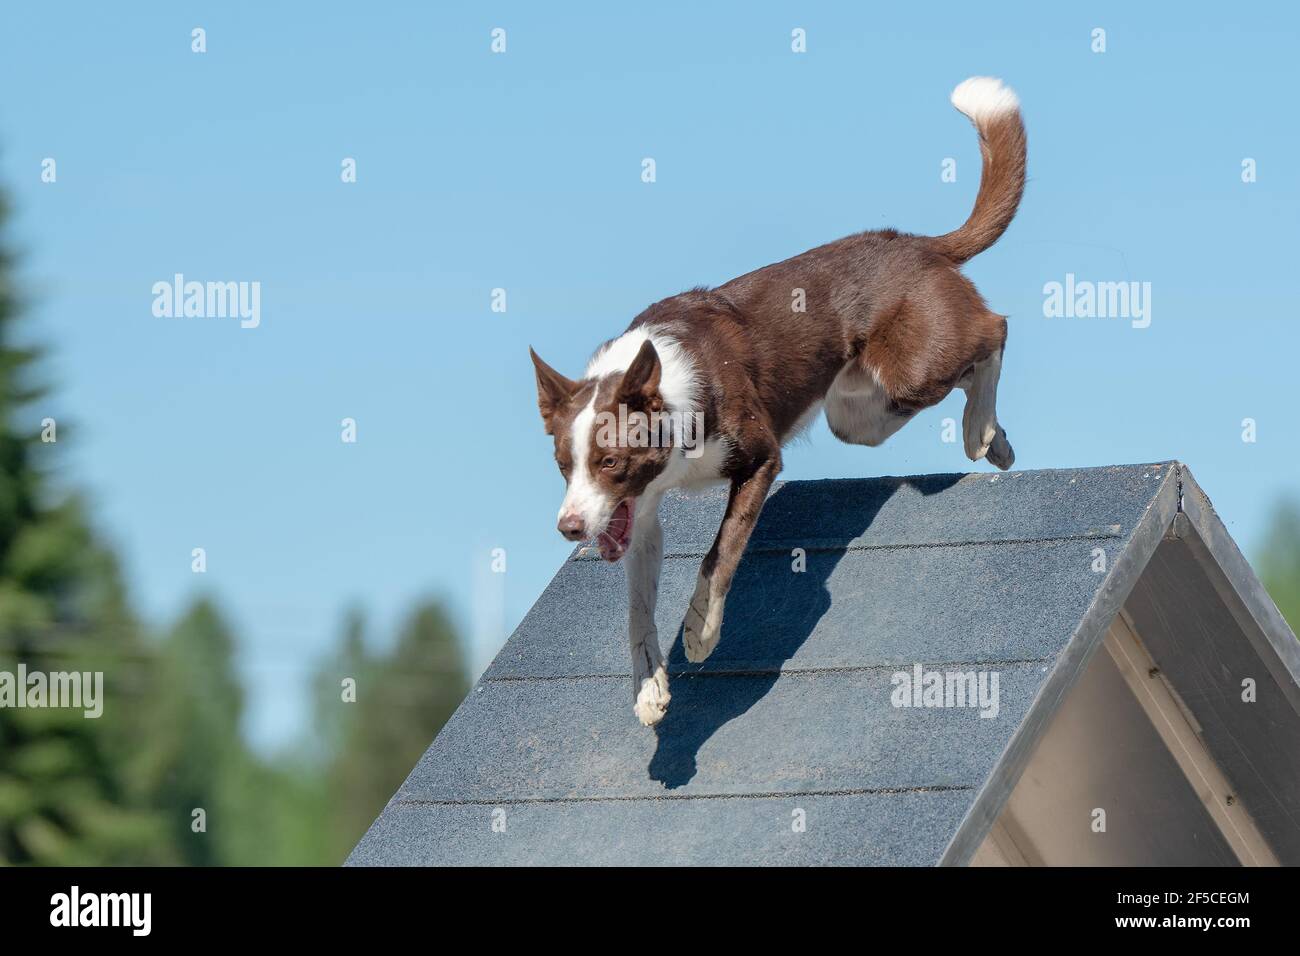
x: 871, y: 328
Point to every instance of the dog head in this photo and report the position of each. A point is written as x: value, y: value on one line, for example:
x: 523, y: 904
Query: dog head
x: 611, y: 442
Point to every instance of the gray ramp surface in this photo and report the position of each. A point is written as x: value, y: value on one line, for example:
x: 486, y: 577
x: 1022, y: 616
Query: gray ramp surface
x: 785, y: 747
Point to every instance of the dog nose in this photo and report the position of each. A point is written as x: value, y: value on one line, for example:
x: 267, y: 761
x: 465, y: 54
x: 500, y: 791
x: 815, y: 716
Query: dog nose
x: 571, y: 526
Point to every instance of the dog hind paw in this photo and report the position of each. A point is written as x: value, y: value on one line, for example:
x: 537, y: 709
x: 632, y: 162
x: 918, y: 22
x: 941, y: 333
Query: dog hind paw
x: 1000, y: 452
x: 977, y: 439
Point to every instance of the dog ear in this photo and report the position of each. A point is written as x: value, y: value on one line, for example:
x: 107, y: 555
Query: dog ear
x: 553, y: 390
x: 640, y: 385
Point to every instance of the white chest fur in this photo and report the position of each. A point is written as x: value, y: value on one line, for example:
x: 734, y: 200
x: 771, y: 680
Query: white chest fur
x: 694, y: 472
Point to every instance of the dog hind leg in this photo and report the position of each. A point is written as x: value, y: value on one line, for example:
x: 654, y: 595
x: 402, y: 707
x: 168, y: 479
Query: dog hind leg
x: 859, y: 411
x: 981, y: 433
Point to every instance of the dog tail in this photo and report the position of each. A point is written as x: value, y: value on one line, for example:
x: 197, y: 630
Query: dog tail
x: 995, y: 111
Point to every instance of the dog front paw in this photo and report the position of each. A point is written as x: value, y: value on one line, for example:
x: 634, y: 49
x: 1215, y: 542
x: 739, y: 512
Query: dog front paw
x: 652, y: 698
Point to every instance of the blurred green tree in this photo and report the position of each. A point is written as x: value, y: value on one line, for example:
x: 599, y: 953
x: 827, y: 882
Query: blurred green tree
x: 1279, y: 561
x: 197, y: 752
x: 401, y: 701
x: 255, y: 812
x: 67, y: 791
x: 331, y: 722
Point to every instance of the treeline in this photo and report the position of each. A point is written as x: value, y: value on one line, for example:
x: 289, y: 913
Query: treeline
x: 165, y: 775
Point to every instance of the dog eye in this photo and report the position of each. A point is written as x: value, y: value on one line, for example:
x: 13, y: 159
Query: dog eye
x: 609, y: 461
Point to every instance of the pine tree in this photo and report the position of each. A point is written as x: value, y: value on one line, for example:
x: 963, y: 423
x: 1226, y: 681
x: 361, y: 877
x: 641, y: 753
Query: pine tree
x: 67, y: 791
x: 197, y: 751
x: 402, y: 700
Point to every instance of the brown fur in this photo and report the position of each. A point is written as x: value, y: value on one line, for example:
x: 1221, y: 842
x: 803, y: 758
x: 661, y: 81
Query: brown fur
x: 1002, y: 183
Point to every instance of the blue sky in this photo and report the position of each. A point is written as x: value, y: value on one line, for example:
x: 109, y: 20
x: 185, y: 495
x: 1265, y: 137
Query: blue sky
x: 522, y: 171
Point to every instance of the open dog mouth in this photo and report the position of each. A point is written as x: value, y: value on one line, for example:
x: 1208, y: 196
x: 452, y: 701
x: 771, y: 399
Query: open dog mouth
x: 613, y: 541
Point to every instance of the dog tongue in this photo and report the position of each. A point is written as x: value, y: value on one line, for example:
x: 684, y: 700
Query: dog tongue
x: 614, y: 538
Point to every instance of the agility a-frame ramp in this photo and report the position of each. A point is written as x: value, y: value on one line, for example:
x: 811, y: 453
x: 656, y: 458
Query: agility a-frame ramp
x: 1051, y: 667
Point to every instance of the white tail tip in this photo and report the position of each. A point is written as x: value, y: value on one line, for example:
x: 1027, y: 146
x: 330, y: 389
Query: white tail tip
x: 983, y: 97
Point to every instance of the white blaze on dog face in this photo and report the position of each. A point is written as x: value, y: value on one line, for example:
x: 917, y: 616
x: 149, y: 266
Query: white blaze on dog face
x: 604, y: 446
x: 587, y: 497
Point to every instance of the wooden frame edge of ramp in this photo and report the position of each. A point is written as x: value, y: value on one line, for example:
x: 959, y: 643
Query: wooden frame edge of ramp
x: 1059, y: 667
